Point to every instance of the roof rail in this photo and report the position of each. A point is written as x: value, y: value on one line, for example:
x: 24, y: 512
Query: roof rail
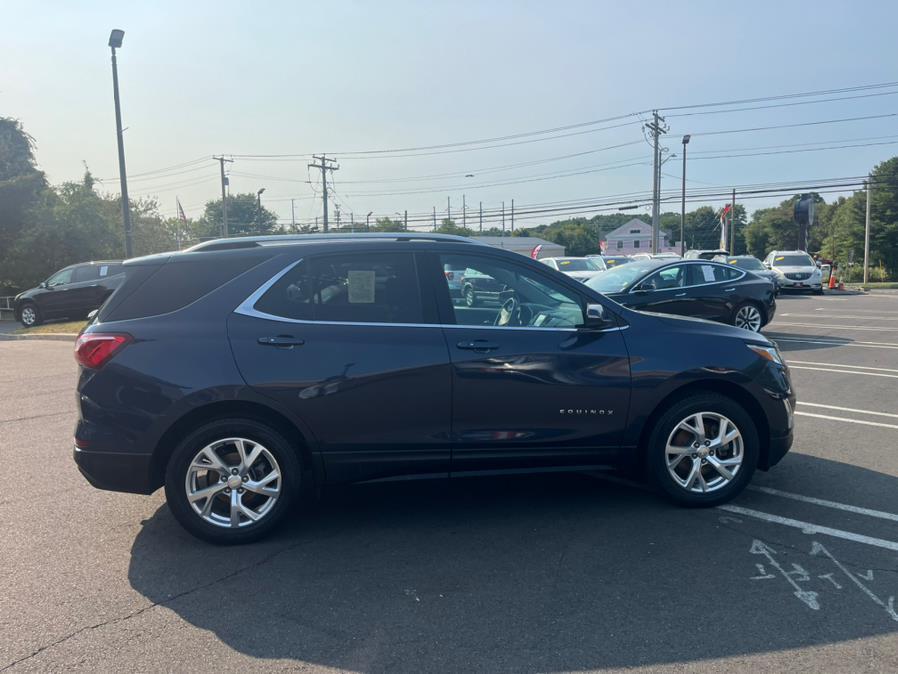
x: 277, y: 239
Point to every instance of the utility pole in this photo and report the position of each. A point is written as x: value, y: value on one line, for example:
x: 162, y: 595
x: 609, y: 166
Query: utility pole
x: 351, y: 221
x: 481, y: 217
x: 733, y: 224
x: 503, y: 218
x: 656, y: 128
x: 512, y: 215
x: 686, y: 139
x: 449, y: 209
x: 293, y: 216
x: 405, y: 220
x: 867, y: 231
x: 434, y: 218
x: 224, y: 197
x: 115, y: 41
x: 325, y: 165
x: 464, y: 212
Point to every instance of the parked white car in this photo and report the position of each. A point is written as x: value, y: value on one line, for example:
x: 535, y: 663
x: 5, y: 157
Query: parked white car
x: 795, y: 270
x: 580, y: 268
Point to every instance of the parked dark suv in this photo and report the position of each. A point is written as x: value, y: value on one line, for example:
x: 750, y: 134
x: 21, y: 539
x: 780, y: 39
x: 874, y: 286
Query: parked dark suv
x: 72, y: 292
x: 239, y: 373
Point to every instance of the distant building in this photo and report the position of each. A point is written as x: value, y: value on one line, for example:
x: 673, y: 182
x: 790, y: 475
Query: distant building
x: 524, y: 245
x: 636, y: 237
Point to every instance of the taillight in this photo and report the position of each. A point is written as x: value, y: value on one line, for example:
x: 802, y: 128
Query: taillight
x: 93, y: 349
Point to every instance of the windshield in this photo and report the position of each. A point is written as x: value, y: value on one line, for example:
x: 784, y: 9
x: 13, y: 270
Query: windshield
x: 578, y: 264
x: 793, y: 261
x: 750, y: 263
x: 618, y: 279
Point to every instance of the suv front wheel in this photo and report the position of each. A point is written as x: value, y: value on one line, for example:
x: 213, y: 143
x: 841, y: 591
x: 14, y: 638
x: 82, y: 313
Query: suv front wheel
x: 232, y: 481
x: 703, y: 450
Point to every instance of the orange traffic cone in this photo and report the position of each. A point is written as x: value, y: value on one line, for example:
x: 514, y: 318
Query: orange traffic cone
x: 832, y: 281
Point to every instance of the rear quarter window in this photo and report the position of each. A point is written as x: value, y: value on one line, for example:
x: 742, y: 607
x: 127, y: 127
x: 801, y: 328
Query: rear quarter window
x: 152, y: 290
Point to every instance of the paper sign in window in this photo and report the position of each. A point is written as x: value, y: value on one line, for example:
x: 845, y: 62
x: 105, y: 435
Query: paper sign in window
x: 104, y: 269
x: 361, y: 287
x: 708, y: 273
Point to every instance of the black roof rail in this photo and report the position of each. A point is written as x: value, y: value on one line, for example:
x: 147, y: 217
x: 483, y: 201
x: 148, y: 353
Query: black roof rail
x: 276, y: 239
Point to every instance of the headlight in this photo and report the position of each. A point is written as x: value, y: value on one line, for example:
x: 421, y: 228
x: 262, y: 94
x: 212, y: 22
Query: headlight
x: 770, y: 353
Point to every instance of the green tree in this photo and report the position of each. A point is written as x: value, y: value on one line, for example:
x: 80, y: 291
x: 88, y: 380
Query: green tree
x: 244, y: 217
x: 450, y: 227
x: 22, y: 186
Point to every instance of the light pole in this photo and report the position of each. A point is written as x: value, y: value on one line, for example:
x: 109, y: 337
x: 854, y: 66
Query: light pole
x: 259, y: 206
x: 683, y: 203
x: 115, y: 41
x: 367, y: 221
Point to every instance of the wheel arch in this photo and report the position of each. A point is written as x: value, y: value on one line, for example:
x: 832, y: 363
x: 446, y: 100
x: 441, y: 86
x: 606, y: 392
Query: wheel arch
x: 715, y: 386
x: 231, y: 409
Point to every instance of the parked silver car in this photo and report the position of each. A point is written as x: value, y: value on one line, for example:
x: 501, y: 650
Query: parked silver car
x: 580, y: 268
x: 796, y: 270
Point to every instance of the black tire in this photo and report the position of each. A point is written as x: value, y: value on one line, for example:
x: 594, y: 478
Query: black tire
x: 470, y: 296
x: 177, y: 471
x: 38, y: 319
x: 656, y: 455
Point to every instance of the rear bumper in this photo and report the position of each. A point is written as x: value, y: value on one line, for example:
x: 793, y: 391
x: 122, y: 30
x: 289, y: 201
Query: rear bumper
x: 116, y: 471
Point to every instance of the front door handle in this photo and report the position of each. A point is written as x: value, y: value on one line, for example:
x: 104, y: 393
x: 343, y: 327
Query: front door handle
x: 281, y: 340
x: 680, y: 295
x: 729, y: 290
x: 480, y: 345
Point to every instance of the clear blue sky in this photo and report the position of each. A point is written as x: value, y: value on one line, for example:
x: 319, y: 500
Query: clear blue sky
x: 202, y: 78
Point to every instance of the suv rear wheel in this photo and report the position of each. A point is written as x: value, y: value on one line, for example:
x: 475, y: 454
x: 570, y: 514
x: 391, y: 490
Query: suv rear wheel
x: 703, y: 450
x: 232, y: 481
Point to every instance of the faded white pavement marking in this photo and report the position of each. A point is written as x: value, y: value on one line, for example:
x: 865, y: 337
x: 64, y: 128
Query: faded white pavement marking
x: 811, y: 528
x: 847, y: 420
x: 832, y: 342
x: 851, y: 367
x: 868, y: 328
x: 880, y: 514
x: 829, y: 369
x: 850, y: 409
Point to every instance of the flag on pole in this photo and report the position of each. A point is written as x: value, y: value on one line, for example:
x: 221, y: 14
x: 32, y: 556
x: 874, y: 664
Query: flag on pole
x: 181, y: 215
x: 723, y: 225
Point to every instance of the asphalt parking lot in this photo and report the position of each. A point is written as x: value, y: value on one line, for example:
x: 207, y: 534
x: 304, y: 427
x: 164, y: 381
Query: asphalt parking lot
x: 572, y: 572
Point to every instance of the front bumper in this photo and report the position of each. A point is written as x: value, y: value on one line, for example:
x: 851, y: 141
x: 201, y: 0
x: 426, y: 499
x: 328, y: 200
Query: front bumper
x: 806, y: 284
x: 116, y: 471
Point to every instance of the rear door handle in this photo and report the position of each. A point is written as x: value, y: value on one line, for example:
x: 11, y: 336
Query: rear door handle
x: 680, y: 295
x: 281, y: 340
x: 728, y: 290
x: 477, y: 345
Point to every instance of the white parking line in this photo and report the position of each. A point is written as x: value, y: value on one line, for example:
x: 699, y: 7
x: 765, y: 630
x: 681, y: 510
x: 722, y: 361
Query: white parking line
x: 837, y: 327
x: 840, y: 316
x: 830, y: 342
x: 829, y: 369
x: 852, y: 367
x: 827, y: 504
x: 850, y: 409
x: 847, y: 420
x: 811, y: 528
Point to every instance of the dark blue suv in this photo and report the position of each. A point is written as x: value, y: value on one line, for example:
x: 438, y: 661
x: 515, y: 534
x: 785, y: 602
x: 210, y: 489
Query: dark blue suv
x: 243, y: 371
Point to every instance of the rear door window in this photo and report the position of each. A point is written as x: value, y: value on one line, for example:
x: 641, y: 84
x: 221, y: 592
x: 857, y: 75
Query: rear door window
x: 348, y: 288
x: 86, y: 272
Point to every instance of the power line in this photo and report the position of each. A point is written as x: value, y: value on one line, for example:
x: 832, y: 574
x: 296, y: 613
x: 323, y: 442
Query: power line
x: 782, y: 105
x: 797, y: 124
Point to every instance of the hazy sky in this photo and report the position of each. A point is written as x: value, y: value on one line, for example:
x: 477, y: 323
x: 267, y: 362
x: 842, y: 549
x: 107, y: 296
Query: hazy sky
x: 202, y: 78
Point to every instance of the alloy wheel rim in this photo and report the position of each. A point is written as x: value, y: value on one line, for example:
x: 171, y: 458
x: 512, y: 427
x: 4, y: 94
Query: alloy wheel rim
x: 233, y: 482
x: 704, y: 452
x: 28, y: 316
x: 748, y: 318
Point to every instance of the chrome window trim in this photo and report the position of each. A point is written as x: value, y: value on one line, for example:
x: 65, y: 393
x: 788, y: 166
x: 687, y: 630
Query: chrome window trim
x: 247, y: 308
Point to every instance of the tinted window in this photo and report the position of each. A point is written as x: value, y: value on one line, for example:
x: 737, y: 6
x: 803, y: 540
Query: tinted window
x: 578, y: 264
x: 708, y: 273
x: 751, y: 263
x: 665, y: 279
x: 105, y: 270
x: 150, y: 290
x: 537, y: 302
x: 60, y: 278
x: 86, y: 272
x: 354, y: 288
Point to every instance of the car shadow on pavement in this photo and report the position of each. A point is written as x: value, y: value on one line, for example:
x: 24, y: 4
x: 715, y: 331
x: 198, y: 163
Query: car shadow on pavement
x: 794, y: 341
x: 563, y: 572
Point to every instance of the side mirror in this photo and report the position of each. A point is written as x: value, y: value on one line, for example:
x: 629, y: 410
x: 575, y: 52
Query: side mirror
x: 43, y: 284
x: 597, y: 317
